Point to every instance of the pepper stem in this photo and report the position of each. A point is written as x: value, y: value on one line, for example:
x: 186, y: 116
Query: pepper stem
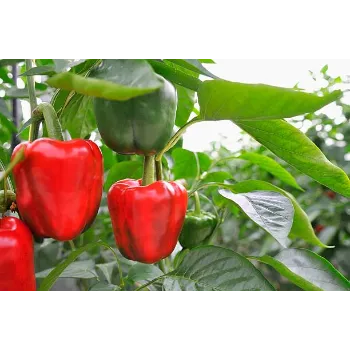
x: 172, y: 142
x: 148, y: 171
x: 197, y: 204
x: 159, y: 170
x: 53, y: 125
x: 34, y: 127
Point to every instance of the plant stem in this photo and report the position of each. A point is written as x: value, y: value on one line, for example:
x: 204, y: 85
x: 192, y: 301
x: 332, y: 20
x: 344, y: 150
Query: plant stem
x: 148, y: 171
x: 159, y: 170
x: 17, y: 159
x: 197, y: 204
x: 72, y: 245
x: 52, y: 123
x: 172, y: 142
x: 34, y: 127
x: 15, y: 114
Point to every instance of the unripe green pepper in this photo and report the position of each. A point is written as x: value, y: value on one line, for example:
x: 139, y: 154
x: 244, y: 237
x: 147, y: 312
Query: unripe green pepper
x: 197, y: 228
x: 141, y: 125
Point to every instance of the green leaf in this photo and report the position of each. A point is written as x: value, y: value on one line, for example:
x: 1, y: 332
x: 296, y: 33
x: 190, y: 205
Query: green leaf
x: 195, y: 66
x: 4, y: 109
x: 100, y: 286
x: 307, y: 270
x: 272, y: 167
x: 84, y: 269
x: 42, y: 70
x: 109, y: 158
x: 272, y: 211
x: 44, y: 62
x: 326, y: 236
x: 204, y: 161
x: 291, y: 145
x: 176, y: 76
x: 185, y: 163
x: 324, y: 69
x: 29, y: 122
x: 5, y: 77
x: 131, y: 169
x: 84, y: 67
x: 206, y: 61
x: 301, y: 224
x: 114, y: 80
x: 62, y: 65
x: 107, y: 270
x: 221, y: 99
x: 52, y: 277
x: 217, y: 176
x: 78, y: 116
x: 210, y: 268
x: 143, y: 272
x: 185, y: 102
x: 4, y: 122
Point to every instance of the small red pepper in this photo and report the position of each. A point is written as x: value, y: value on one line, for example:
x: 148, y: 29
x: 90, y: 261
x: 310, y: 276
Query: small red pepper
x: 59, y: 186
x: 147, y: 220
x: 16, y: 256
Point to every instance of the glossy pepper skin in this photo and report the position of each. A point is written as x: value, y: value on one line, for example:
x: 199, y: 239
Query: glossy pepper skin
x: 16, y: 256
x: 197, y: 228
x: 147, y: 220
x: 59, y: 186
x: 141, y: 125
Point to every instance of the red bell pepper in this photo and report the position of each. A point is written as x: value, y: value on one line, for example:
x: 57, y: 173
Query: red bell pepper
x: 16, y: 256
x: 59, y: 186
x: 147, y: 220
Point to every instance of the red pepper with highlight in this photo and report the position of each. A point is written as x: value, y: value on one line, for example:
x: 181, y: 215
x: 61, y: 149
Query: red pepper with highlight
x: 59, y: 186
x: 16, y: 256
x: 147, y: 220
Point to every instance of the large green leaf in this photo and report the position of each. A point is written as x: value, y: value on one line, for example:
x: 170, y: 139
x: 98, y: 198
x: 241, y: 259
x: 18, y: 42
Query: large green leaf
x: 221, y: 99
x: 185, y: 163
x: 78, y: 116
x: 114, y: 80
x: 193, y: 65
x: 41, y: 70
x: 52, y: 277
x: 143, y: 272
x: 301, y: 224
x: 185, y: 103
x: 4, y: 109
x: 131, y: 169
x: 176, y: 76
x: 272, y: 211
x: 272, y: 167
x: 84, y: 269
x: 291, y: 145
x: 216, y: 176
x: 210, y: 268
x: 307, y: 270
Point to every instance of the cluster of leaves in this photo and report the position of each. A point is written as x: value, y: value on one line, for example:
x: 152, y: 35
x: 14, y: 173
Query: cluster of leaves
x: 250, y: 182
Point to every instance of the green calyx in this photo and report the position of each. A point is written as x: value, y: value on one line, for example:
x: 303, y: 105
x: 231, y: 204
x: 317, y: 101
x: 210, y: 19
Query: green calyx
x: 197, y: 228
x: 141, y: 125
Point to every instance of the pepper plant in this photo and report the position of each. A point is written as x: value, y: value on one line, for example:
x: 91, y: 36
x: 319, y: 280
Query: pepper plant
x: 137, y: 111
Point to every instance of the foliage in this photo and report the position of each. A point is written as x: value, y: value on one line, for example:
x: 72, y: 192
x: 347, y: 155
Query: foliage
x: 281, y: 203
